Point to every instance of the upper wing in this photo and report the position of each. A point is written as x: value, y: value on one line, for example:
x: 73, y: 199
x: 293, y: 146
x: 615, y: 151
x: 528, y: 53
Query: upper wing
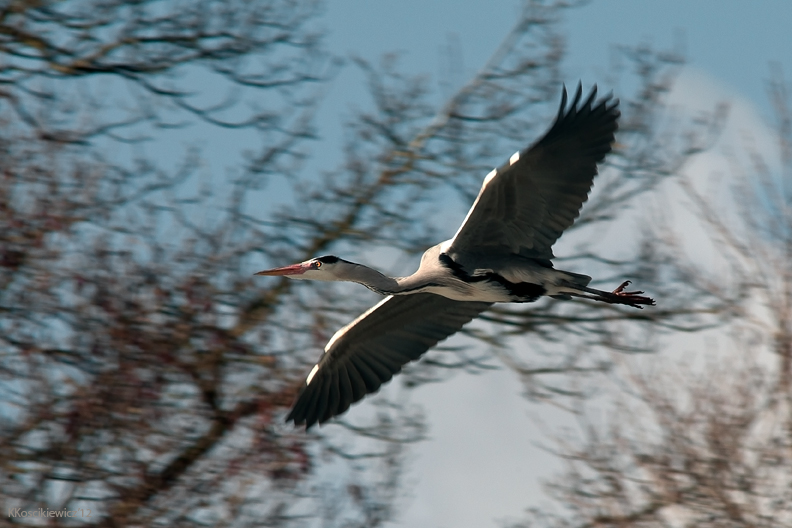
x: 371, y: 349
x: 523, y: 207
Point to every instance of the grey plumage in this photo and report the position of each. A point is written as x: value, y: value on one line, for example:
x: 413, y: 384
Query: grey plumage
x: 369, y: 351
x: 528, y: 204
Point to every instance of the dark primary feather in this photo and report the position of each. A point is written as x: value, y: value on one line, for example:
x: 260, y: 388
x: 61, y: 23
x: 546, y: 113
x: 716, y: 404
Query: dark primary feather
x: 526, y: 207
x: 376, y: 346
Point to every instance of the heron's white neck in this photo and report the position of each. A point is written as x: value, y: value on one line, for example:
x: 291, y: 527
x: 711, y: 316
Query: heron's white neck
x: 376, y: 281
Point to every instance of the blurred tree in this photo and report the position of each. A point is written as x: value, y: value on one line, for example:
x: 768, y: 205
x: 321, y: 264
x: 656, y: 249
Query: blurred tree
x: 124, y: 388
x: 705, y: 445
x: 144, y: 374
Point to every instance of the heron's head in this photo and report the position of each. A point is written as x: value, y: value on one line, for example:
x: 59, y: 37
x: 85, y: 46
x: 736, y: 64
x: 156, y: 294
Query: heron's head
x: 325, y: 268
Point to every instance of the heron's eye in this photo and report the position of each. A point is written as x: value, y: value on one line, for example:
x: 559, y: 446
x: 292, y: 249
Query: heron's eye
x: 318, y: 264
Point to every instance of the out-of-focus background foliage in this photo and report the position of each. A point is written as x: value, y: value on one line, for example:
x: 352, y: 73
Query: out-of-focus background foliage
x: 155, y: 154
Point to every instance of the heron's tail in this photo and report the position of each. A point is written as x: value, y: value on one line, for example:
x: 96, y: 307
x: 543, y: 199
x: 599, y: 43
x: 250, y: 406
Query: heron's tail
x: 577, y: 280
x: 568, y: 285
x: 572, y: 281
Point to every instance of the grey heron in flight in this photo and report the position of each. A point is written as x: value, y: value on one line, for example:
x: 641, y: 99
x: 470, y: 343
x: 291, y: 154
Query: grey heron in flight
x: 501, y: 253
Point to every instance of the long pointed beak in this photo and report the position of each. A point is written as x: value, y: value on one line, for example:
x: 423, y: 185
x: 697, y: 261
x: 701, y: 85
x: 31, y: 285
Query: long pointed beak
x: 293, y: 269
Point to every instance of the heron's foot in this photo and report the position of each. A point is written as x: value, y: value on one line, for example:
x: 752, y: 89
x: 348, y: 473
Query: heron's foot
x: 630, y: 298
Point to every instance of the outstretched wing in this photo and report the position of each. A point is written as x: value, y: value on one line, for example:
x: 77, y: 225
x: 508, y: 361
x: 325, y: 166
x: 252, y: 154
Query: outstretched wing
x: 525, y: 205
x: 371, y: 349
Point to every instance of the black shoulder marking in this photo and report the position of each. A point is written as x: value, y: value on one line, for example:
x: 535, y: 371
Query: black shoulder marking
x: 524, y: 290
x: 458, y: 271
x: 328, y: 259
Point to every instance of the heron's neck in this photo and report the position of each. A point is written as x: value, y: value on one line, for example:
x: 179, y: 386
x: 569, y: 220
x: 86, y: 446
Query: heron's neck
x: 376, y: 281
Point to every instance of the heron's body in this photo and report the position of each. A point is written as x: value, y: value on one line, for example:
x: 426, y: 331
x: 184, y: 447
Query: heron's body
x: 502, y: 252
x: 515, y: 279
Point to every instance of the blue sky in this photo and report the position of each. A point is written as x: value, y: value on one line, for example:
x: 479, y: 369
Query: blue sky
x: 478, y: 468
x: 732, y: 41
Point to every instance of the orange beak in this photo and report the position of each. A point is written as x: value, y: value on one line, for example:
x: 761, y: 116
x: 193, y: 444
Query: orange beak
x: 293, y: 269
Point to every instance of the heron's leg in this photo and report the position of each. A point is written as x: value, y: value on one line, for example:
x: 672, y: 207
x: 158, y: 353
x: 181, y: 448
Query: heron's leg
x: 617, y: 296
